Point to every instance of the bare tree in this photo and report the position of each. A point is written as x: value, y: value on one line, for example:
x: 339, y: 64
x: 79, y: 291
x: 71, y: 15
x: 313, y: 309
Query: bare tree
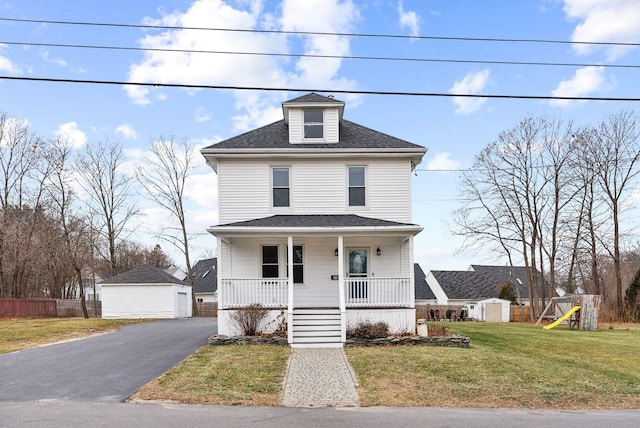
x: 74, y: 228
x: 615, y: 149
x: 110, y: 195
x: 518, y: 190
x: 23, y: 171
x: 164, y: 177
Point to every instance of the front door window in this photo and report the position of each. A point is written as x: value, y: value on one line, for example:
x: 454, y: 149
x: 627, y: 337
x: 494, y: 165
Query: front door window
x: 358, y: 268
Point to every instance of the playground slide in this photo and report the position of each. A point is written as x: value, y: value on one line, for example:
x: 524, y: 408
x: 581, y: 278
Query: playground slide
x: 563, y: 318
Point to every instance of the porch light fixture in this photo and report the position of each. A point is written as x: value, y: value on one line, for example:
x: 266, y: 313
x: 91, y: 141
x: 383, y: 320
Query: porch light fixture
x: 336, y: 252
x: 378, y: 252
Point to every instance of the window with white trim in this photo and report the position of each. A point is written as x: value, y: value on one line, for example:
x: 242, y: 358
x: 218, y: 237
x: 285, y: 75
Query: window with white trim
x: 313, y: 123
x: 280, y: 186
x: 270, y: 261
x: 357, y: 186
x: 298, y: 264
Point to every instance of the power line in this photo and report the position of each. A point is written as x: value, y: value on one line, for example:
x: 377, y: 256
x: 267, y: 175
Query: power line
x: 336, y: 91
x: 319, y: 33
x: 349, y: 57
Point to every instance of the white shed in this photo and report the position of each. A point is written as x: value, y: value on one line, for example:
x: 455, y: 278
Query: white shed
x: 490, y: 310
x: 145, y: 292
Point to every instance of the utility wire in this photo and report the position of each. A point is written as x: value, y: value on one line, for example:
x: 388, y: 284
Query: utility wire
x: 336, y: 91
x: 319, y: 33
x: 355, y: 57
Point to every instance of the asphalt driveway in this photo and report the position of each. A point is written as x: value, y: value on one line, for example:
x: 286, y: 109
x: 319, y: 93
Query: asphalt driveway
x: 109, y: 367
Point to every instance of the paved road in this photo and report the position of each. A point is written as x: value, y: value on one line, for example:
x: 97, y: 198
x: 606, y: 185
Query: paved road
x: 83, y: 414
x: 108, y: 367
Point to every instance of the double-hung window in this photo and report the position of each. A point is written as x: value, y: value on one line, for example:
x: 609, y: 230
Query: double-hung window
x: 357, y: 186
x: 270, y: 261
x: 280, y: 184
x: 298, y: 264
x: 313, y: 123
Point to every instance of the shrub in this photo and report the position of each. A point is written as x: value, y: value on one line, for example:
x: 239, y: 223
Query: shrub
x: 437, y: 330
x: 368, y: 330
x: 248, y: 319
x: 508, y: 293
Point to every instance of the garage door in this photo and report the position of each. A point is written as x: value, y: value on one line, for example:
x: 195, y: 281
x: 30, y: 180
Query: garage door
x: 493, y: 312
x: 182, y: 305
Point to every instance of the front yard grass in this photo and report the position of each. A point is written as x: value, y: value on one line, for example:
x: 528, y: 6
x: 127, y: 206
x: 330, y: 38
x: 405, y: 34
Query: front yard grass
x: 507, y: 365
x: 16, y: 334
x: 248, y: 375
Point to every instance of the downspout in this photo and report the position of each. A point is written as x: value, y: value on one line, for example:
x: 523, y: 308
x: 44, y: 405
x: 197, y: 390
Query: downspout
x: 341, y: 294
x: 290, y: 290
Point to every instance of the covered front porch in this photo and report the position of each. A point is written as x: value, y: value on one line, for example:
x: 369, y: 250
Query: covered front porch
x: 337, y: 279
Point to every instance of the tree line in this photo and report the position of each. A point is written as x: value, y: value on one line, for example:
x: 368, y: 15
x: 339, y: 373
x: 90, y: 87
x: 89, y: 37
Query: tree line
x: 558, y: 198
x: 68, y: 214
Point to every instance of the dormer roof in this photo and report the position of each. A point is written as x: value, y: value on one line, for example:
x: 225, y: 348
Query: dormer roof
x: 312, y: 100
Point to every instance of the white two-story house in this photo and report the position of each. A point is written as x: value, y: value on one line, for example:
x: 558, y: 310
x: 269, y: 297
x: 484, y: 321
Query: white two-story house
x: 315, y: 223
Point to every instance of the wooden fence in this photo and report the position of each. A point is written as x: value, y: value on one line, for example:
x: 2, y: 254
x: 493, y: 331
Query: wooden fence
x: 520, y: 313
x: 73, y: 308
x: 424, y: 311
x: 27, y: 308
x: 208, y: 309
x: 70, y: 308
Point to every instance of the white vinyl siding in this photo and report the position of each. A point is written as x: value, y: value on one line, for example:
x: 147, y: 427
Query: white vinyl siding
x: 317, y: 186
x: 145, y: 301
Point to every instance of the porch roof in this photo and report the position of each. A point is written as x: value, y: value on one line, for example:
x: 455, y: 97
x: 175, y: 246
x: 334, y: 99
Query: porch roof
x: 320, y: 224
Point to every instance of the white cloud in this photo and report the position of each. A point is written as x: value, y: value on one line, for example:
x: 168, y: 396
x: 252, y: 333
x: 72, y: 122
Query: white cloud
x: 472, y: 83
x: 409, y: 19
x: 57, y: 61
x: 442, y: 161
x: 7, y: 65
x: 247, y: 70
x: 585, y: 82
x: 201, y: 115
x: 127, y: 131
x: 72, y: 134
x: 604, y: 21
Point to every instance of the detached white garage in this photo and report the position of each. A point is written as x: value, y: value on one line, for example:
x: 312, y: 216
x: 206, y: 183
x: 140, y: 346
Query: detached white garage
x: 145, y: 292
x: 490, y: 310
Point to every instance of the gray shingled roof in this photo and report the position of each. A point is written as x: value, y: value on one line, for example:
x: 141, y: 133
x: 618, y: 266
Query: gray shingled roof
x: 313, y: 98
x: 515, y: 275
x: 467, y: 285
x: 205, y: 277
x: 352, y: 136
x: 337, y: 220
x: 423, y: 291
x: 144, y: 275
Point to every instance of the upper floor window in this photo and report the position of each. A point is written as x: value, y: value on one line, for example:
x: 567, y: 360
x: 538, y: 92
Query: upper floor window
x: 280, y: 182
x: 357, y: 186
x: 313, y: 123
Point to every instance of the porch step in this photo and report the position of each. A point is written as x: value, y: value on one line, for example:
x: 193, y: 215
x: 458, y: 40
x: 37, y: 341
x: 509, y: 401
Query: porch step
x: 316, y: 327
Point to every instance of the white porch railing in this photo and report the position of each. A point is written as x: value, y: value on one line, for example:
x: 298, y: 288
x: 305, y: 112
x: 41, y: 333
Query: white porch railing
x: 268, y: 292
x: 377, y: 292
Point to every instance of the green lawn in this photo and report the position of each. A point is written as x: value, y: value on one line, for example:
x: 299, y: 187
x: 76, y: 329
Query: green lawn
x: 16, y: 334
x: 508, y: 365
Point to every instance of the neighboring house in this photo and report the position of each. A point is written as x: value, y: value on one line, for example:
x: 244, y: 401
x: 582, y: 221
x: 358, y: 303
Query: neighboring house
x: 315, y: 223
x: 424, y: 294
x: 145, y: 292
x: 479, y: 282
x: 205, y: 280
x: 174, y: 271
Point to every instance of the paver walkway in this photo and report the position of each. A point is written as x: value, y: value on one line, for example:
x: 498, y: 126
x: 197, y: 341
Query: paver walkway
x: 319, y: 377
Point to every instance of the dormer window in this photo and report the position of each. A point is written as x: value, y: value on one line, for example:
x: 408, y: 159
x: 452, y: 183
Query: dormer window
x: 313, y: 123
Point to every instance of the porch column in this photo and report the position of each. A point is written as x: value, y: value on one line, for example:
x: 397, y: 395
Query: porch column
x: 341, y: 296
x: 290, y: 289
x: 412, y: 279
